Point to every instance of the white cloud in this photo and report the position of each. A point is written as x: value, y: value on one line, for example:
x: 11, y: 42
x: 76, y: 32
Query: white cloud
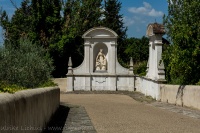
x: 128, y: 21
x: 146, y: 10
x: 147, y: 5
x: 155, y: 13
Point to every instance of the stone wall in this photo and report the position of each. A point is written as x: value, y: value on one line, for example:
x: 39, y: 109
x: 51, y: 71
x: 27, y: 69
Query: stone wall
x: 101, y: 82
x: 188, y: 96
x: 28, y: 110
x: 148, y: 87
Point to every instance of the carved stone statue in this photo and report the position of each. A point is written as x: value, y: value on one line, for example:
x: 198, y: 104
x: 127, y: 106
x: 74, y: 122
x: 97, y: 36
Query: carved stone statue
x: 101, y: 62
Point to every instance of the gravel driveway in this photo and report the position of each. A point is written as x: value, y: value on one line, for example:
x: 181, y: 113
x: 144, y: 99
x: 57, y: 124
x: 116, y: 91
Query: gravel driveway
x: 114, y: 113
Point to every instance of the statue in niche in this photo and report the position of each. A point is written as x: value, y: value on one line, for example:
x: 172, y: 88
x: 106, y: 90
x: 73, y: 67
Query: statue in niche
x: 101, y: 62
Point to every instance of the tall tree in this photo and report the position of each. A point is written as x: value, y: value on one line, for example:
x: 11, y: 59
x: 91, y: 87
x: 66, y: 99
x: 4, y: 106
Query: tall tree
x: 46, y: 20
x: 37, y: 19
x: 19, y: 25
x: 42, y: 21
x: 182, y: 59
x: 79, y: 16
x: 114, y: 20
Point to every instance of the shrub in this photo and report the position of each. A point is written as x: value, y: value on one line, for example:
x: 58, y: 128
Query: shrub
x: 10, y: 88
x: 198, y: 83
x: 140, y: 68
x: 48, y: 83
x: 27, y: 65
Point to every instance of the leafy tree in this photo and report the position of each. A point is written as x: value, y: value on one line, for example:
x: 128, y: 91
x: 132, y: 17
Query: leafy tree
x: 37, y: 19
x: 182, y: 57
x: 27, y: 65
x: 18, y: 25
x: 137, y: 48
x: 114, y: 20
x: 79, y: 16
x: 46, y: 21
x: 42, y: 21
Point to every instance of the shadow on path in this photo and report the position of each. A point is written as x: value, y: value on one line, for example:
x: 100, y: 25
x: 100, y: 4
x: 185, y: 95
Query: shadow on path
x: 58, y: 120
x: 70, y: 119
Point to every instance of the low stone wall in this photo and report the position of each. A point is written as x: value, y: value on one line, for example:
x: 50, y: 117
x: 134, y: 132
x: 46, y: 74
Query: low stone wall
x: 148, y: 87
x: 28, y: 110
x: 188, y: 96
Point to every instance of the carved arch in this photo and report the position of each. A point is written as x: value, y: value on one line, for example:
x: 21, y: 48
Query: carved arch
x: 100, y: 32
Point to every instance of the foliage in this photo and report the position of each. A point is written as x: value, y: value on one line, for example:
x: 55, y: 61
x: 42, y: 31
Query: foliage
x: 114, y: 20
x: 10, y: 88
x: 27, y: 65
x: 137, y: 48
x: 39, y: 20
x: 182, y: 57
x: 58, y: 25
x: 48, y: 83
x: 79, y: 16
x: 140, y: 68
x: 198, y: 83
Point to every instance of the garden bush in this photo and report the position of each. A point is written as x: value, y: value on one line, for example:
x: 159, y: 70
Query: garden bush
x: 10, y: 88
x: 27, y: 64
x: 140, y: 68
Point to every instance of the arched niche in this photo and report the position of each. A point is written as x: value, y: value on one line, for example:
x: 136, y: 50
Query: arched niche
x: 96, y: 50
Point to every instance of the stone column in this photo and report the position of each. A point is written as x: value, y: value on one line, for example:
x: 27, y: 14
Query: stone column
x: 112, y: 69
x: 92, y: 62
x: 160, y: 74
x: 150, y: 60
x: 131, y: 66
x: 87, y: 66
x: 156, y: 67
x: 112, y: 60
x: 147, y: 70
x: 70, y: 77
x: 87, y: 57
x: 131, y: 78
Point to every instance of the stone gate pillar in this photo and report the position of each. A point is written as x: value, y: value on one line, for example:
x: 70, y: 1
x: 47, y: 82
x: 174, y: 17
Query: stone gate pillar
x: 155, y: 66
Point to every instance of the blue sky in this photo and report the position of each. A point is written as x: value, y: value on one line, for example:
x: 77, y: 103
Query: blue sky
x: 137, y: 14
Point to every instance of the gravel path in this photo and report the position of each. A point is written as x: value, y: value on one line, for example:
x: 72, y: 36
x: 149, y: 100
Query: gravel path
x: 114, y: 113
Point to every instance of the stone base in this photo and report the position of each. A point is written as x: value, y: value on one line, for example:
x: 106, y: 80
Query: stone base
x: 100, y: 71
x: 101, y: 81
